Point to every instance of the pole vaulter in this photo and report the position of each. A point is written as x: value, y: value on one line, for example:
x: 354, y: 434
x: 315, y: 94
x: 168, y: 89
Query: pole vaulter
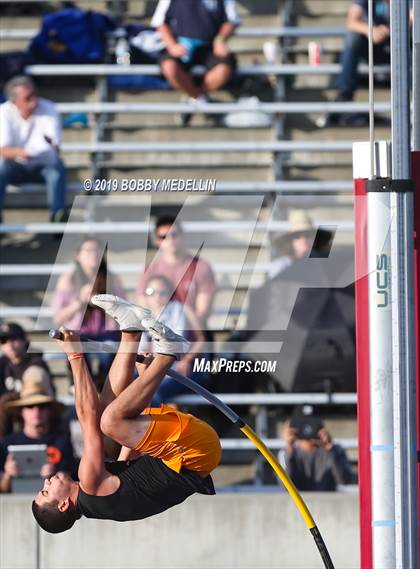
x: 247, y: 431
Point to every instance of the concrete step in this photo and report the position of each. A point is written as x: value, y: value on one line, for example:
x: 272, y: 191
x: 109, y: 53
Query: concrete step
x: 196, y: 160
x: 297, y: 94
x: 77, y: 135
x: 318, y: 160
x: 137, y: 133
x: 222, y: 172
x: 304, y: 128
x: 64, y: 93
x: 320, y: 8
x: 337, y: 171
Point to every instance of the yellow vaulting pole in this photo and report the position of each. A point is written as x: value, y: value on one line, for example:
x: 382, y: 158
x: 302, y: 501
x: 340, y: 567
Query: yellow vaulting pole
x: 287, y: 483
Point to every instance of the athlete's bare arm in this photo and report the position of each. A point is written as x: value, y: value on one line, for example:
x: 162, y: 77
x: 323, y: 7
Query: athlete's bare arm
x: 94, y: 478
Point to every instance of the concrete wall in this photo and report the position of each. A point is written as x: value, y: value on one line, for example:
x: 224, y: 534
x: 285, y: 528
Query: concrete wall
x: 226, y: 531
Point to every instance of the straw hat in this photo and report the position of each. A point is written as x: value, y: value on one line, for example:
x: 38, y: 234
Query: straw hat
x: 38, y: 374
x: 300, y: 223
x: 33, y: 392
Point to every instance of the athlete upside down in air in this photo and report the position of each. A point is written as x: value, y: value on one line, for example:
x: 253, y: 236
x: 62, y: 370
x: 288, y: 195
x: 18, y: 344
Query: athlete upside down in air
x: 166, y: 455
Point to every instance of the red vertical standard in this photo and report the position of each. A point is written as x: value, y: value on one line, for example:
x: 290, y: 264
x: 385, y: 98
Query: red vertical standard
x: 362, y: 366
x: 416, y: 177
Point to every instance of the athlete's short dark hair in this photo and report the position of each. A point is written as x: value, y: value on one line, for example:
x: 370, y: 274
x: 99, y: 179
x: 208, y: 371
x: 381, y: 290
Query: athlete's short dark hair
x: 51, y: 519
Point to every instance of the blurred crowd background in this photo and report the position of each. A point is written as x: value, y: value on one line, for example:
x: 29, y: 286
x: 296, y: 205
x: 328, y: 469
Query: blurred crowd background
x: 194, y: 259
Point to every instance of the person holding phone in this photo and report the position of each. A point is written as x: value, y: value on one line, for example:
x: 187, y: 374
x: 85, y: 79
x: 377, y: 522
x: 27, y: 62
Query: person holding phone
x: 312, y: 459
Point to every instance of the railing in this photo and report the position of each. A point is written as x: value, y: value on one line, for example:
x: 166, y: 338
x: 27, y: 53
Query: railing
x: 215, y: 146
x: 143, y: 227
x: 280, y: 187
x: 245, y: 31
x: 93, y: 70
x: 222, y: 108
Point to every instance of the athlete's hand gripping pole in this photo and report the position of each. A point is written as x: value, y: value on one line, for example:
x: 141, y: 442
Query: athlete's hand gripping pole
x: 253, y: 437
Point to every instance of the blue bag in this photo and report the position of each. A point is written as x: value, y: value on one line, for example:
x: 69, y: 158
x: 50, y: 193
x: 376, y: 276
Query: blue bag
x: 72, y: 36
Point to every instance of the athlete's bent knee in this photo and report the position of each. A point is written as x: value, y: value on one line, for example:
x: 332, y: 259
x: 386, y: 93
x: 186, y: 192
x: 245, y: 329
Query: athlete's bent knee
x: 108, y: 422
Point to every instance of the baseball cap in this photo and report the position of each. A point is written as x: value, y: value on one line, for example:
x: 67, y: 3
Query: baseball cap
x: 10, y: 330
x: 307, y: 426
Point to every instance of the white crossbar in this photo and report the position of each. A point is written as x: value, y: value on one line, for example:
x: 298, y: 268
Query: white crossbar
x: 120, y: 269
x: 143, y: 227
x: 274, y: 399
x: 276, y: 444
x: 246, y: 31
x: 218, y: 146
x: 220, y: 108
x: 8, y: 312
x: 261, y: 69
x: 282, y: 186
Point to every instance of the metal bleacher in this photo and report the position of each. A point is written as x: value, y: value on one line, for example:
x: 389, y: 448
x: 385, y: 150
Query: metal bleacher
x: 134, y: 134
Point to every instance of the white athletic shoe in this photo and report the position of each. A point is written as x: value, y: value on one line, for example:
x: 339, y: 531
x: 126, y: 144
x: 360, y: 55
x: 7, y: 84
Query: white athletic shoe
x: 127, y: 315
x: 165, y: 341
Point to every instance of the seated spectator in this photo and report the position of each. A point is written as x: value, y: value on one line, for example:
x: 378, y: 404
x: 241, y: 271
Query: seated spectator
x: 14, y: 362
x: 356, y: 49
x: 32, y: 373
x: 30, y: 135
x: 196, y: 33
x: 182, y: 320
x: 192, y: 279
x: 302, y: 240
x: 39, y: 414
x: 15, y: 359
x: 312, y: 460
x: 71, y: 301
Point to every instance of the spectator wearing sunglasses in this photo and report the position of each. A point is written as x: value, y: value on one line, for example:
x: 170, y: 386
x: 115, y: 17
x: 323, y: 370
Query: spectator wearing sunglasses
x: 192, y: 279
x: 30, y: 136
x: 180, y: 318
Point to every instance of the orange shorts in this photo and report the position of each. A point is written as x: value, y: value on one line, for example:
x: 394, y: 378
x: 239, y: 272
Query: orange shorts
x: 180, y: 440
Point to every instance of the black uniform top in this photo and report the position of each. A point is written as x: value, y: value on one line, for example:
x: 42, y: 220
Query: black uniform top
x: 147, y: 487
x: 201, y: 19
x: 11, y: 373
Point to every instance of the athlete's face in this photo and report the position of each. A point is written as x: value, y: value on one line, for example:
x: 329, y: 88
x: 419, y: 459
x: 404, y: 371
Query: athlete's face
x: 55, y: 489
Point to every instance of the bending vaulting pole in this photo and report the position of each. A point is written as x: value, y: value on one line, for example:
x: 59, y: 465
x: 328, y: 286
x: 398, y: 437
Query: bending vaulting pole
x: 246, y: 429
